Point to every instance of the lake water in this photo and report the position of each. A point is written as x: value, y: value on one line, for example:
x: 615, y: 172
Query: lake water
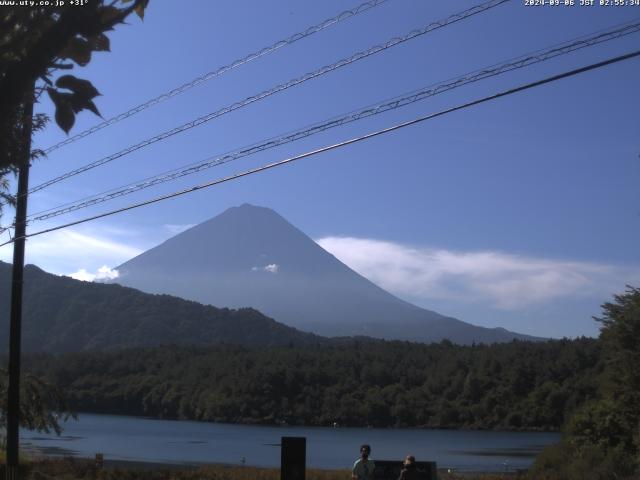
x: 185, y: 442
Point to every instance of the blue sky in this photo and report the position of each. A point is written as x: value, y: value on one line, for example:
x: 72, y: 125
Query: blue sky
x: 523, y: 212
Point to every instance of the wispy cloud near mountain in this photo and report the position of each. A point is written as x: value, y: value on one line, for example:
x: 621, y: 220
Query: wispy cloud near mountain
x: 80, y: 254
x: 506, y: 281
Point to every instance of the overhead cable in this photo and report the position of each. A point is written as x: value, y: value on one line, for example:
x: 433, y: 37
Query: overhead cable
x: 384, y: 131
x: 219, y: 71
x: 371, y: 110
x: 279, y: 88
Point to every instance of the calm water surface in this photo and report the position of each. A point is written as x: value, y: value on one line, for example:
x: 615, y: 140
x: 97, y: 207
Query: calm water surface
x: 166, y: 441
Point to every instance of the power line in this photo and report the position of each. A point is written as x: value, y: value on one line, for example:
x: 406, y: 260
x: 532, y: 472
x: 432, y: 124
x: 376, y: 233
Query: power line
x: 221, y: 70
x: 531, y: 58
x: 399, y: 126
x: 281, y: 87
x: 371, y: 110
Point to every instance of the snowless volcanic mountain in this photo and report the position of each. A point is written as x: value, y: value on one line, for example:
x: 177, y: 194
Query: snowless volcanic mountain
x: 250, y: 256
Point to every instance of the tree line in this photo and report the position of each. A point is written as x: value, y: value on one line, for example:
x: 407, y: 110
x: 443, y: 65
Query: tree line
x: 519, y: 385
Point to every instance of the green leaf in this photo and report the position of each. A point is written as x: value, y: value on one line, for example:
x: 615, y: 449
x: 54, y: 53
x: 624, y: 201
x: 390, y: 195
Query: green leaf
x: 54, y: 95
x: 80, y: 103
x: 78, y: 86
x: 108, y: 14
x: 139, y: 9
x: 89, y: 105
x: 74, y: 101
x: 100, y: 43
x: 65, y: 116
x: 77, y: 50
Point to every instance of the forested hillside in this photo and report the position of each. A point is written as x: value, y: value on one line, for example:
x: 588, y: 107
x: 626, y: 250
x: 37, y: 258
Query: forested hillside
x: 61, y: 314
x: 504, y: 386
x: 601, y: 439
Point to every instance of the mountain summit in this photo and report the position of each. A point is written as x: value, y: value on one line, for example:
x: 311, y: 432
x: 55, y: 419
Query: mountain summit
x: 250, y: 256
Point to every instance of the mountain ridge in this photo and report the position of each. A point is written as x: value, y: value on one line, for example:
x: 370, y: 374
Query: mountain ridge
x: 61, y: 314
x: 252, y: 256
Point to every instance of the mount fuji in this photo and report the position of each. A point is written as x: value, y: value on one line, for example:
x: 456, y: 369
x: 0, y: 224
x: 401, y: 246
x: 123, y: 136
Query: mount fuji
x: 250, y: 256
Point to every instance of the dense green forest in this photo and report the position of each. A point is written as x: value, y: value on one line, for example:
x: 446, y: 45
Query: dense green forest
x: 61, y: 314
x: 601, y: 439
x: 519, y: 385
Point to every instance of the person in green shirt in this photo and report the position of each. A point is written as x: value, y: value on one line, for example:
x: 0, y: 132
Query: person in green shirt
x: 364, y: 466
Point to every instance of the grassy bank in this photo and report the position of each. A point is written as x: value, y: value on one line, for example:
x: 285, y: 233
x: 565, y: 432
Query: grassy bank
x: 76, y: 469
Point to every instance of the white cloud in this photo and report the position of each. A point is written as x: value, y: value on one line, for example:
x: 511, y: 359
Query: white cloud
x: 65, y: 251
x: 505, y: 280
x: 78, y: 244
x: 103, y: 273
x: 83, y: 275
x: 271, y: 268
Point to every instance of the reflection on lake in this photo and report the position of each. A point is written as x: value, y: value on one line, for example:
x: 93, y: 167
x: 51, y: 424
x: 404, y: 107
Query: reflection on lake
x: 186, y: 442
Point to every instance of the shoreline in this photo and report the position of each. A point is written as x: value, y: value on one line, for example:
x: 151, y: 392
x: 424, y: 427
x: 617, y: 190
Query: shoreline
x: 158, y: 466
x: 299, y: 425
x: 148, y: 467
x: 44, y: 454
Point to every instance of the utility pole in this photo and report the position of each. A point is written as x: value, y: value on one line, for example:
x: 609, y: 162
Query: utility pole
x: 15, y: 330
